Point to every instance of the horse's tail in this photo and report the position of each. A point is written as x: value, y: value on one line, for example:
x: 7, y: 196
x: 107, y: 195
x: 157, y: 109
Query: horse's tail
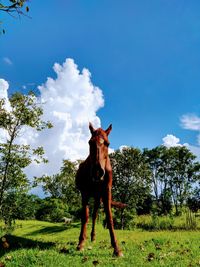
x: 118, y: 205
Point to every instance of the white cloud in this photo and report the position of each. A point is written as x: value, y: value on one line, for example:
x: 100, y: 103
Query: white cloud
x: 4, y: 94
x: 123, y: 147
x: 69, y: 101
x: 190, y: 122
x: 173, y: 141
x: 111, y: 150
x: 195, y: 150
x: 7, y: 61
x: 4, y: 89
x: 170, y: 141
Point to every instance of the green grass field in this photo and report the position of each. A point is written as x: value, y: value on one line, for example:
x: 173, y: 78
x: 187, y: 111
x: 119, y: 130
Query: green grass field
x: 36, y: 243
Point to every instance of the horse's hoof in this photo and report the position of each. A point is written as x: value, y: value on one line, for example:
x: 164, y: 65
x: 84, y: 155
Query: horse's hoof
x: 118, y: 253
x: 79, y: 248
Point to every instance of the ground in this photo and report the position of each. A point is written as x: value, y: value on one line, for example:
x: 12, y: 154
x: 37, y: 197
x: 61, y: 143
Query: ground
x: 36, y: 243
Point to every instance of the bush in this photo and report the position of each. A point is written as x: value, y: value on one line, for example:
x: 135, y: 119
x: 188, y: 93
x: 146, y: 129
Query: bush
x: 193, y: 204
x: 124, y: 219
x: 145, y: 206
x: 52, y: 210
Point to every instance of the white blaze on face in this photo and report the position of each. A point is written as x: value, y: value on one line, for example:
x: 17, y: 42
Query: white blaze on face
x: 101, y: 140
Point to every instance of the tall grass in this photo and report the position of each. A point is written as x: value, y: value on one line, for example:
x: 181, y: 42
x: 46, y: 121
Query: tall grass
x: 187, y: 221
x: 155, y: 222
x: 191, y: 222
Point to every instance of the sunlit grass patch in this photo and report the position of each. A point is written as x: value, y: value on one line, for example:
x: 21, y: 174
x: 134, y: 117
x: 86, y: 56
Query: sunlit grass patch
x: 36, y: 243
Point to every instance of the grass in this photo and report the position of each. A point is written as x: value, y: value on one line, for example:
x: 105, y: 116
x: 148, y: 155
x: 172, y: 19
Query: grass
x: 166, y: 222
x: 36, y: 243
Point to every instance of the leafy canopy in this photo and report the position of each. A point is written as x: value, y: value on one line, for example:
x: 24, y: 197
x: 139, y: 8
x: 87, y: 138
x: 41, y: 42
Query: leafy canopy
x: 14, y: 7
x: 21, y: 112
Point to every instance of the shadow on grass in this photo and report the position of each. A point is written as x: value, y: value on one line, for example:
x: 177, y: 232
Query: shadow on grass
x: 48, y: 230
x: 16, y: 243
x: 54, y: 229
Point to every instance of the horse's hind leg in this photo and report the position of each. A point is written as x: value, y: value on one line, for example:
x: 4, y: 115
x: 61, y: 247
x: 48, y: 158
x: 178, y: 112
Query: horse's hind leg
x: 94, y: 217
x: 84, y: 221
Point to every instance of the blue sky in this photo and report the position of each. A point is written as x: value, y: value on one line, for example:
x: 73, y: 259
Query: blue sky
x: 144, y: 55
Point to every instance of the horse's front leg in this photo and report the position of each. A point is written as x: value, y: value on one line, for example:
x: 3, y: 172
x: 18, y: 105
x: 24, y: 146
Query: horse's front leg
x: 94, y: 217
x: 84, y: 221
x: 107, y: 206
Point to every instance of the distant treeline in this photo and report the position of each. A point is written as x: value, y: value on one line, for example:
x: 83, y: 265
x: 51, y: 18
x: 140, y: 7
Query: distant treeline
x: 158, y: 181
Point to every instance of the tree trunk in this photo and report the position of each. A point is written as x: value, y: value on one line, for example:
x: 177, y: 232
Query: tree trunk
x: 5, y: 174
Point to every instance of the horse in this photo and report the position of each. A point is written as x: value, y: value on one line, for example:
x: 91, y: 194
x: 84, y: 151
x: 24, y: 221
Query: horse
x: 94, y: 179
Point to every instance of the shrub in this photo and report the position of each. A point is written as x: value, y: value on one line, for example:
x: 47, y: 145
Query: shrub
x: 52, y: 210
x: 145, y: 206
x: 193, y: 204
x: 124, y: 218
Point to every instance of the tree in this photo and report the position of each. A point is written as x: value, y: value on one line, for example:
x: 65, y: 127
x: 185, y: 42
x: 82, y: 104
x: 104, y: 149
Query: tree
x: 193, y: 201
x: 173, y: 172
x: 183, y: 172
x: 20, y: 205
x: 158, y: 160
x: 153, y: 158
x: 22, y: 111
x: 12, y: 7
x: 62, y: 185
x: 131, y: 184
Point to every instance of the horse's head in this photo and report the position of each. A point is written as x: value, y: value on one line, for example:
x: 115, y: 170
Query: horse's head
x: 98, y: 151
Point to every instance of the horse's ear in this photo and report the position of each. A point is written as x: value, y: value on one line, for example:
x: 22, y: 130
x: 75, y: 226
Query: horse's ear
x: 91, y: 128
x: 109, y: 129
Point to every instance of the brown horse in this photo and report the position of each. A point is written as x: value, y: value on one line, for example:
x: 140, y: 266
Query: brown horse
x: 94, y: 179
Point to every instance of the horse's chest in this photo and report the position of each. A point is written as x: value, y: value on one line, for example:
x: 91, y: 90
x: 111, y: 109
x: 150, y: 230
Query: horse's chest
x: 92, y: 188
